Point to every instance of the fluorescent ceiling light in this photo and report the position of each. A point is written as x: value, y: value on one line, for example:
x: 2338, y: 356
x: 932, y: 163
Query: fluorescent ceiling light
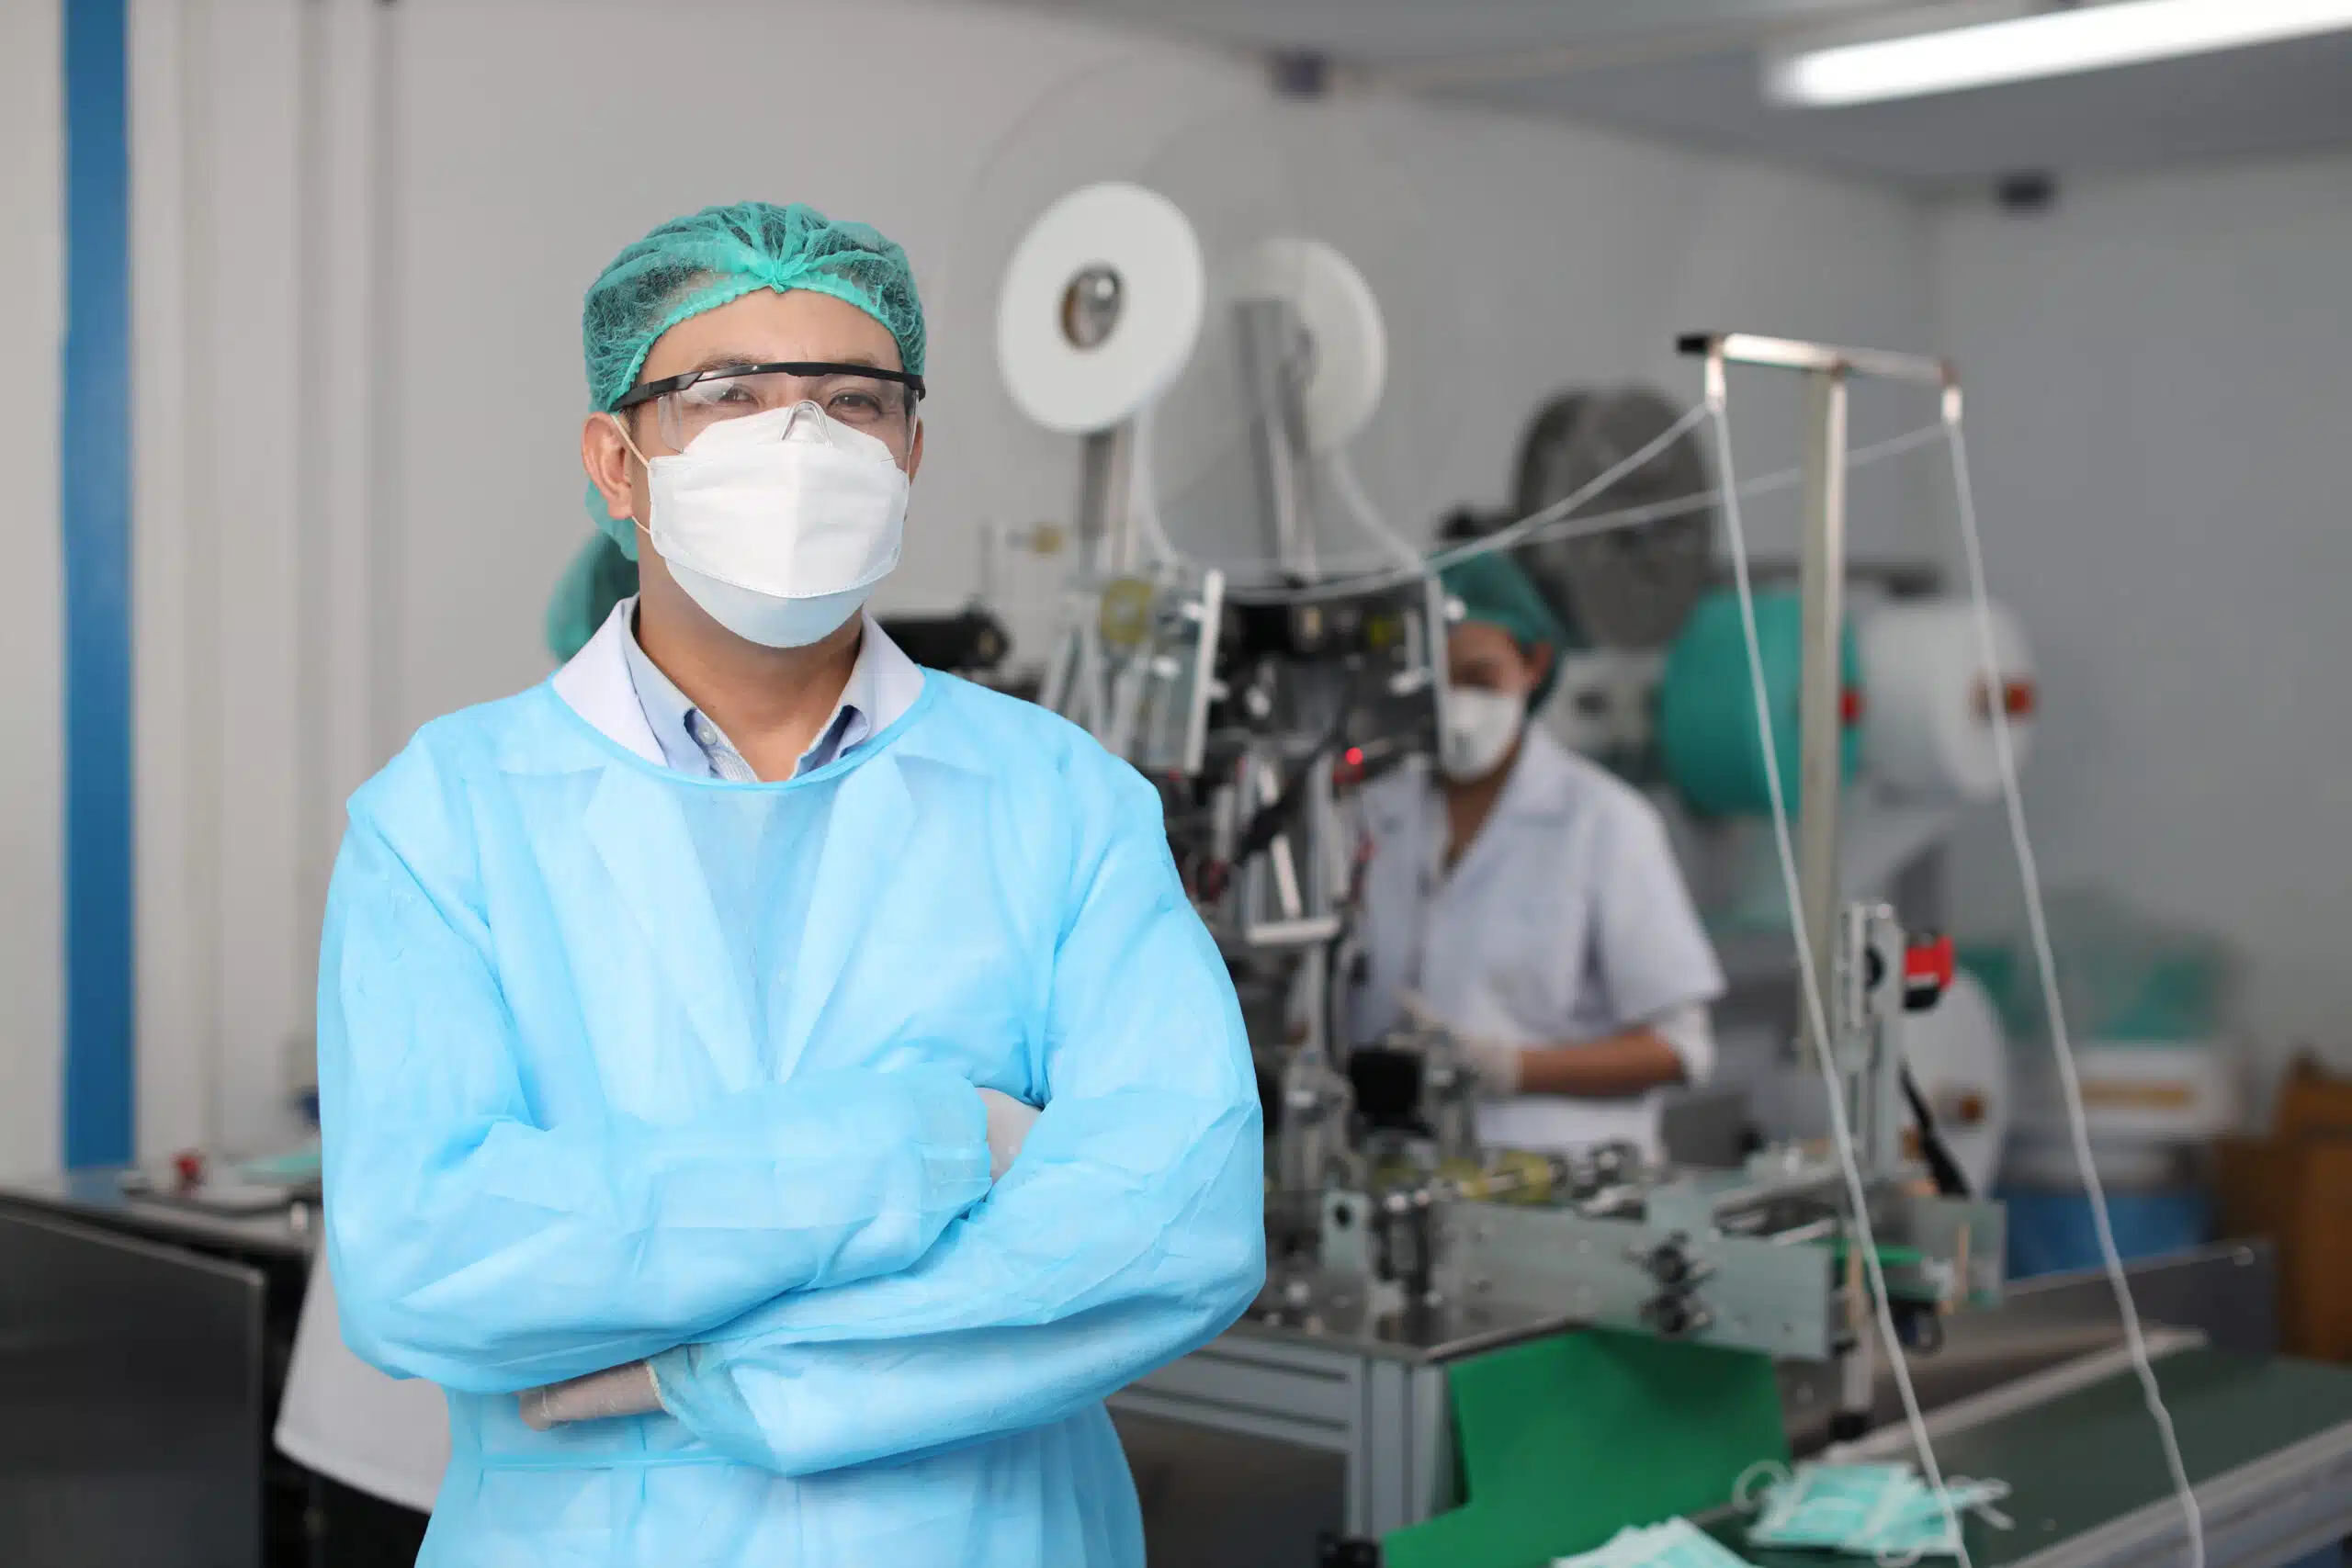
x: 2052, y: 43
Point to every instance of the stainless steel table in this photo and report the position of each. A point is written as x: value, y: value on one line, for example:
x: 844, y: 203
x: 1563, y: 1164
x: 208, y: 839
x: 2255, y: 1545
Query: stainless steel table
x: 1372, y: 1396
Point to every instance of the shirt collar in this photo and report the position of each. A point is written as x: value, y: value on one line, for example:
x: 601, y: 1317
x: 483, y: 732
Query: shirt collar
x: 883, y: 684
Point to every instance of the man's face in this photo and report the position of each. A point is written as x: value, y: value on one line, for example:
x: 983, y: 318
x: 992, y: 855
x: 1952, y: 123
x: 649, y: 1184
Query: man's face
x: 763, y: 327
x: 1486, y: 658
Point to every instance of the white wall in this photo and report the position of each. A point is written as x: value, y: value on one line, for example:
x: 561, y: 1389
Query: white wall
x: 1513, y: 255
x: 385, y: 216
x: 31, y: 709
x: 2159, y: 372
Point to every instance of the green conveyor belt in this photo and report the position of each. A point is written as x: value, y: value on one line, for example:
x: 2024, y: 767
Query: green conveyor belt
x: 1562, y: 1440
x: 2085, y: 1459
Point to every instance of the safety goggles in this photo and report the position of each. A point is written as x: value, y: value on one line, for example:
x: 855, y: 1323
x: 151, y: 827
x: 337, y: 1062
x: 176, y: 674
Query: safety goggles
x: 864, y: 397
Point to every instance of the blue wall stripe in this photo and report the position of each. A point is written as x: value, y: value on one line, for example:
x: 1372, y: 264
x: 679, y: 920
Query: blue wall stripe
x: 95, y: 503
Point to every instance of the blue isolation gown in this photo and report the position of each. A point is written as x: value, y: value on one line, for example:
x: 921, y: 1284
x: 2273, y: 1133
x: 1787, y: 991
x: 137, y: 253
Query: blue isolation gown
x: 618, y: 1064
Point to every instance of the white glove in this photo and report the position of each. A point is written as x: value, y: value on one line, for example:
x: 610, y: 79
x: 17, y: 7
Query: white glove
x: 1009, y: 1124
x: 1496, y: 1062
x: 616, y: 1391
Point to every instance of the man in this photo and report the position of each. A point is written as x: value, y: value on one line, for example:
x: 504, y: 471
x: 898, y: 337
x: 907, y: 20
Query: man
x: 680, y: 1018
x: 1528, y: 900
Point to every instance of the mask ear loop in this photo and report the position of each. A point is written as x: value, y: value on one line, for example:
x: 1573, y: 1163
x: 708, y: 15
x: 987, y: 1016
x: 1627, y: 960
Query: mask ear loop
x: 620, y: 426
x: 1770, y: 1472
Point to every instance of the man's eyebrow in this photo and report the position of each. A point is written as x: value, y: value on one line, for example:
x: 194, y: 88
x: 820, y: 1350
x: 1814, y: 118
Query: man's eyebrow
x: 731, y: 359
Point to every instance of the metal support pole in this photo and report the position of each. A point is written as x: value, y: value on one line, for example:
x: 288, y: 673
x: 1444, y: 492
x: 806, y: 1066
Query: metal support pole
x: 1820, y: 702
x: 1270, y: 338
x: 1105, y: 530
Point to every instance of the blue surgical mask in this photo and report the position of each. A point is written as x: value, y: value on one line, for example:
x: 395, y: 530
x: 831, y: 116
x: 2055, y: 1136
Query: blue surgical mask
x: 1876, y: 1510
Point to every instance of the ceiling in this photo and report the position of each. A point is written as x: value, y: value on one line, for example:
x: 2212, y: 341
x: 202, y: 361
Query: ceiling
x: 1689, y: 71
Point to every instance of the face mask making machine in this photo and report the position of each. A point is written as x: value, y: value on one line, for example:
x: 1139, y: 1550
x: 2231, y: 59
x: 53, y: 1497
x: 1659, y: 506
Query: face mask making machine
x: 1258, y: 702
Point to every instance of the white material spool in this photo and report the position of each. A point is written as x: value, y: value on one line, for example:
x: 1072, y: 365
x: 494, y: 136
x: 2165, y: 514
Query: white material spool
x: 1063, y: 379
x: 1928, y: 723
x: 1960, y: 1058
x: 1349, y: 359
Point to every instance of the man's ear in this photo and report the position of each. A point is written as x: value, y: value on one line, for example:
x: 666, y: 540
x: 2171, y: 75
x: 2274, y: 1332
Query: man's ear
x: 610, y: 467
x: 914, y: 451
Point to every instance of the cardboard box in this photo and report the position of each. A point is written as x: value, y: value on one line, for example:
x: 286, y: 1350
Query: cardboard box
x: 2295, y: 1186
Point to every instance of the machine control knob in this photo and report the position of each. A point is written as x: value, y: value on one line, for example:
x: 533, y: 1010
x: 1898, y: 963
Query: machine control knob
x: 1613, y: 1162
x: 1673, y: 1316
x: 1671, y: 1264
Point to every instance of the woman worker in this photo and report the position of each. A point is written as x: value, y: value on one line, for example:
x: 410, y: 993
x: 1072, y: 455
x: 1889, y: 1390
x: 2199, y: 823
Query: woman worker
x: 1528, y: 900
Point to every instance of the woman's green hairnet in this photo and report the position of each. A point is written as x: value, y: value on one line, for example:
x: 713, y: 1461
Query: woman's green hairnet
x: 1493, y: 587
x: 701, y: 262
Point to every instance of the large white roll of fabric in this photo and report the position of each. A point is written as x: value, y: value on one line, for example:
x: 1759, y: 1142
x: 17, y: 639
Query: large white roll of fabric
x: 1927, y: 719
x: 1101, y: 306
x: 1958, y: 1055
x: 1349, y: 360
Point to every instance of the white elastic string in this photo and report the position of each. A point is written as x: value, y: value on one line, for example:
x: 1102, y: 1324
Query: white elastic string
x: 1143, y: 494
x: 1342, y: 476
x: 2045, y: 959
x: 1505, y: 538
x: 1809, y: 982
x: 1548, y: 527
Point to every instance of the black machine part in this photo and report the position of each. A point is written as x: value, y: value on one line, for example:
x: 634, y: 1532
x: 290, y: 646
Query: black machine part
x: 1387, y: 1084
x: 1629, y: 587
x: 970, y: 642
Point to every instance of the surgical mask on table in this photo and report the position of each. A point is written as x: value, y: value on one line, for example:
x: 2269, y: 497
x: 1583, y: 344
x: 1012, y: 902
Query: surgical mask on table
x: 780, y: 525
x: 1480, y: 728
x: 1884, y: 1511
x: 1676, y: 1544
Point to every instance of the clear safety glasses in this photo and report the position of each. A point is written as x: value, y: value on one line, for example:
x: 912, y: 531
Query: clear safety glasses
x: 864, y: 397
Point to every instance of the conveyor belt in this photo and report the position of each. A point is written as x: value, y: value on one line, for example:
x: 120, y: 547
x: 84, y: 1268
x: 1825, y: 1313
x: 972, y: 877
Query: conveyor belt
x: 2268, y: 1444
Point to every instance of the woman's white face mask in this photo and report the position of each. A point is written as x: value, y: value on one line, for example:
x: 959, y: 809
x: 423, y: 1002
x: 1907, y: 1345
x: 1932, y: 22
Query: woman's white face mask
x: 779, y: 525
x: 1480, y: 727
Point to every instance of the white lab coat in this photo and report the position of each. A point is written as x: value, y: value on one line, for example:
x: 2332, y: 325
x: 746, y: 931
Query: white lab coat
x: 386, y: 1437
x: 1566, y: 919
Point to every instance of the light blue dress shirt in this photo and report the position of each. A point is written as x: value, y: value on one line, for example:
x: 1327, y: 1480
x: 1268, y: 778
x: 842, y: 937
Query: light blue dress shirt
x: 883, y: 684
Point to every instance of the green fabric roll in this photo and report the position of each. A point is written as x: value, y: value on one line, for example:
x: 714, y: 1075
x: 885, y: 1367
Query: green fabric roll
x: 1706, y: 707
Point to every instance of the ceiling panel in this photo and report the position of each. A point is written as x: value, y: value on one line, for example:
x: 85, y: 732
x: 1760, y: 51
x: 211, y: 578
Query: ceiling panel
x: 1700, y: 84
x: 1398, y: 32
x: 2272, y: 99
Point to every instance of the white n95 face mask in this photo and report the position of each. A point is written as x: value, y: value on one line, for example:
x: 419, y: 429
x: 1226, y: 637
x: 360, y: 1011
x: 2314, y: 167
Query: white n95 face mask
x: 779, y: 525
x: 1480, y: 728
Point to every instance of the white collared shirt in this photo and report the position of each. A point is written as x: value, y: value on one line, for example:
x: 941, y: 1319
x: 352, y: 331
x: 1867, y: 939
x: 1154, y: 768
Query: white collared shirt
x: 882, y: 684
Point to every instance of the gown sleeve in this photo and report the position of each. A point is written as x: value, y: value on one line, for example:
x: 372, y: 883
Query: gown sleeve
x: 1130, y: 1230
x: 479, y: 1248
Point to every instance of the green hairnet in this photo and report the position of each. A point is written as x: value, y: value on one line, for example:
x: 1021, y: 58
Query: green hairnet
x: 599, y: 577
x: 1494, y: 589
x: 699, y: 262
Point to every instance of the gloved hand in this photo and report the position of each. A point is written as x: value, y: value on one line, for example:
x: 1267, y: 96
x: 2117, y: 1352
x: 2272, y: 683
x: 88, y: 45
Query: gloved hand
x: 1497, y: 1063
x: 1009, y: 1124
x: 616, y: 1391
